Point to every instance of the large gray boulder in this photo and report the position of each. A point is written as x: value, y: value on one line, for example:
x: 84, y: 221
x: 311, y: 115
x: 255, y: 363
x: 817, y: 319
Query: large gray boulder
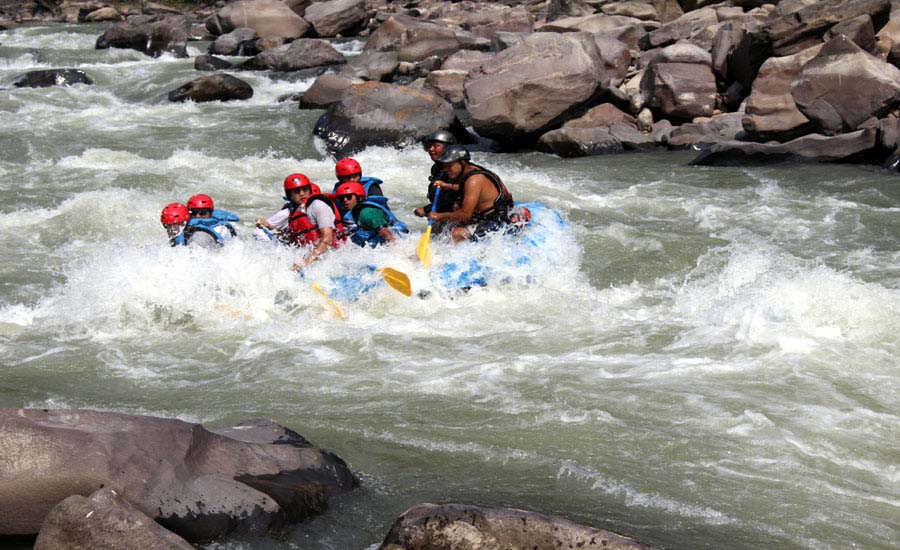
x: 771, y: 113
x: 217, y: 87
x: 465, y: 527
x: 843, y: 86
x: 152, y: 35
x: 534, y: 86
x: 679, y: 90
x: 103, y: 520
x: 413, y: 39
x: 232, y: 42
x: 685, y: 27
x: 298, y: 55
x: 196, y: 483
x: 271, y: 19
x: 326, y: 90
x: 589, y: 23
x: 52, y: 77
x: 789, y: 32
x: 372, y: 65
x: 580, y: 142
x: 375, y: 113
x: 715, y: 129
x: 850, y: 147
x: 336, y: 17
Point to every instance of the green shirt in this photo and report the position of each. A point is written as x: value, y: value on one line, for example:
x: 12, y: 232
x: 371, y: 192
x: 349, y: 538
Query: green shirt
x: 372, y: 219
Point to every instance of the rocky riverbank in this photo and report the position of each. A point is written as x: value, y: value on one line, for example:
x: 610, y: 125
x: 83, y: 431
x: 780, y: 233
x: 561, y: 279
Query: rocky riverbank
x: 745, y: 81
x: 86, y: 479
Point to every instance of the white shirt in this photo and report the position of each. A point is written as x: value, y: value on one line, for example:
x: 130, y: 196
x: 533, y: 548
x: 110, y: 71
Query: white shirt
x: 320, y: 214
x: 278, y: 220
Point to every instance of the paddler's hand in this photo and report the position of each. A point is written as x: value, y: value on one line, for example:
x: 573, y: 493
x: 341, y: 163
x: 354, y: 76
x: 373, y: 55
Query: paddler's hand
x: 433, y: 216
x: 261, y: 222
x: 419, y: 212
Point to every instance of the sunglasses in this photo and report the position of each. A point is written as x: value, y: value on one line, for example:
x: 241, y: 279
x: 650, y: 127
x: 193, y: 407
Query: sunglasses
x: 345, y: 197
x: 200, y: 212
x: 349, y: 177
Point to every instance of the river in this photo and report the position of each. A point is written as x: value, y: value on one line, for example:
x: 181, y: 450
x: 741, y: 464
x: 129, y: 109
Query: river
x: 710, y: 362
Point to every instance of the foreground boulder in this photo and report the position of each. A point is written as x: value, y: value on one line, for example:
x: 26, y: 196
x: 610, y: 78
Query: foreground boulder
x: 534, y: 86
x: 52, y: 77
x: 218, y: 87
x: 851, y: 147
x: 843, y: 86
x: 199, y: 484
x: 152, y: 35
x: 464, y: 527
x: 375, y: 113
x: 103, y: 520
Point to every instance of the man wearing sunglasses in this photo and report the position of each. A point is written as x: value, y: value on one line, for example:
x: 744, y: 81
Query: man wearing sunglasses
x: 207, y: 226
x: 373, y: 221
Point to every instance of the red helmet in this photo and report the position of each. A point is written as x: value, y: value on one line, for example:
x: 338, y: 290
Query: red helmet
x: 200, y: 202
x: 351, y: 188
x: 174, y: 213
x: 347, y: 167
x: 316, y: 190
x: 295, y: 181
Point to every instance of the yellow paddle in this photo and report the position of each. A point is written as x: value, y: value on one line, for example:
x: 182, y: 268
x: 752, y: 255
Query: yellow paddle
x: 331, y: 303
x: 397, y: 280
x: 423, y: 250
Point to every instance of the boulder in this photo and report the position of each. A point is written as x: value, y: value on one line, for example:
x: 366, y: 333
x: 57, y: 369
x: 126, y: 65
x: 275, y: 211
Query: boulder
x: 515, y: 22
x: 152, y: 35
x: 465, y: 527
x: 848, y: 147
x: 558, y: 9
x: 466, y: 60
x: 327, y: 89
x: 505, y: 40
x: 605, y: 114
x: 721, y: 56
x: 680, y: 52
x: 448, y: 84
x: 336, y: 17
x: 791, y: 32
x: 300, y: 54
x: 103, y: 14
x: 210, y: 63
x: 823, y: 95
x: 685, y: 27
x: 590, y: 23
x: 631, y: 138
x: 771, y: 113
x: 413, y: 39
x: 859, y: 29
x: 196, y: 483
x: 379, y: 66
x: 230, y: 44
x: 103, y: 520
x: 52, y: 77
x: 217, y: 87
x: 580, y: 142
x: 269, y: 18
x: 637, y: 10
x: 616, y: 58
x: 375, y: 113
x: 534, y: 86
x: 679, y: 90
x: 715, y: 129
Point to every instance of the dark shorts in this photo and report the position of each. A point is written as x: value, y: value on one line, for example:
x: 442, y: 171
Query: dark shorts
x: 479, y: 230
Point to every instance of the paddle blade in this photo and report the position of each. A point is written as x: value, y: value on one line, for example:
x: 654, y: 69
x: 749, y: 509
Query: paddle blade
x: 424, y: 248
x: 397, y: 280
x: 331, y: 303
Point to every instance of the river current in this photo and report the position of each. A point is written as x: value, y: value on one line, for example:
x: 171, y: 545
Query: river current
x: 711, y: 361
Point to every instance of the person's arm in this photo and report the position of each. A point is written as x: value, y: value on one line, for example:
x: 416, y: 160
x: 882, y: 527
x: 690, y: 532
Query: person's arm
x: 474, y: 186
x: 387, y: 234
x: 322, y: 245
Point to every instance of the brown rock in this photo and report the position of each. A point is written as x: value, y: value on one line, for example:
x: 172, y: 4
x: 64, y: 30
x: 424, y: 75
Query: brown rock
x: 679, y: 90
x: 336, y: 17
x: 811, y: 148
x: 269, y: 18
x: 605, y: 114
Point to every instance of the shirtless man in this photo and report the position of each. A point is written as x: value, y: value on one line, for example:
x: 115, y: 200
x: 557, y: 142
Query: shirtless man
x: 485, y: 199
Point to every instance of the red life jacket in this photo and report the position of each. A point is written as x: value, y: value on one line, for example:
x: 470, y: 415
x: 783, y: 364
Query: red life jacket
x: 302, y: 229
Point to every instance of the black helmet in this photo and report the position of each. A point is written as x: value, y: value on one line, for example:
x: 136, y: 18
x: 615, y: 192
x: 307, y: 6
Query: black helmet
x: 453, y: 153
x: 442, y: 136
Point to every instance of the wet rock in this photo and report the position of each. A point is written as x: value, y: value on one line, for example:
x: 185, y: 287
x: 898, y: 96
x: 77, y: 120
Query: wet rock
x: 822, y: 93
x: 375, y: 113
x: 219, y: 87
x: 210, y: 63
x: 326, y: 90
x: 679, y: 90
x: 196, y: 483
x: 771, y: 113
x: 534, y: 86
x: 336, y: 17
x: 464, y: 527
x: 580, y: 142
x: 269, y: 18
x: 378, y: 66
x: 152, y: 35
x: 299, y: 54
x: 230, y: 43
x: 850, y: 147
x: 789, y: 32
x: 52, y: 77
x: 604, y: 114
x: 103, y: 520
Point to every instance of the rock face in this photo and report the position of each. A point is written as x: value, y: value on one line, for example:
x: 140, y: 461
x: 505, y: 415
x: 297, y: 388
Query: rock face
x: 335, y: 16
x: 771, y: 112
x: 103, y: 520
x: 533, y: 86
x: 52, y: 77
x: 299, y: 54
x: 790, y: 31
x: 152, y: 35
x: 843, y: 86
x: 218, y: 87
x: 271, y: 19
x: 463, y: 527
x: 374, y: 113
x: 196, y: 483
